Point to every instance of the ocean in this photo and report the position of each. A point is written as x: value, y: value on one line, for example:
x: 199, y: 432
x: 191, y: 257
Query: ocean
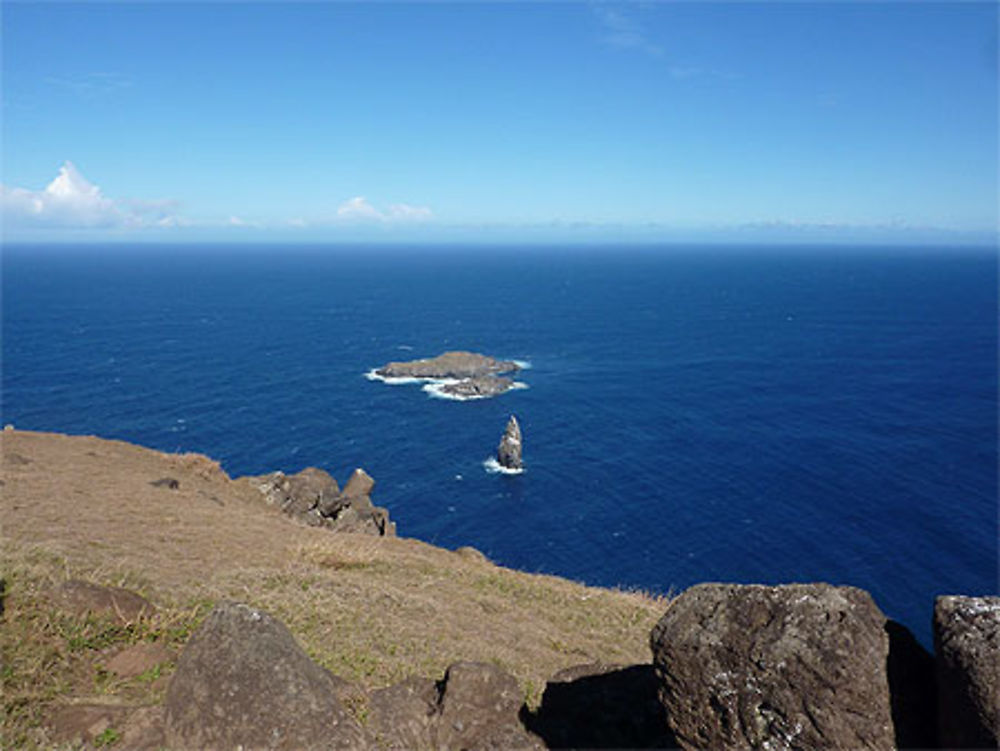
x: 742, y: 414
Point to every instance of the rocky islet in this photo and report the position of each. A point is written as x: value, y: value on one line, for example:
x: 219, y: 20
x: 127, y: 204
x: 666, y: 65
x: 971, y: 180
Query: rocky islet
x: 456, y: 374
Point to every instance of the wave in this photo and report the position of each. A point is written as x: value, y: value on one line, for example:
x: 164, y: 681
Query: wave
x: 523, y: 364
x: 494, y: 467
x: 371, y: 375
x: 435, y: 388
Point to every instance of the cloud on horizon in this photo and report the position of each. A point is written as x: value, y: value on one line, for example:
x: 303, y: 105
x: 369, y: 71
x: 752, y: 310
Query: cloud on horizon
x: 359, y: 209
x: 71, y: 201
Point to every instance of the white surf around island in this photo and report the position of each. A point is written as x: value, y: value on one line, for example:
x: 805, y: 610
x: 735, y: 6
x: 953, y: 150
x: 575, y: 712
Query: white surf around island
x: 496, y: 468
x: 373, y: 375
x: 434, y: 387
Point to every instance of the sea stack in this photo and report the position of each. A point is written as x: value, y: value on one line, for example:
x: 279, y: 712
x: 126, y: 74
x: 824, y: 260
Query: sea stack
x: 509, y: 450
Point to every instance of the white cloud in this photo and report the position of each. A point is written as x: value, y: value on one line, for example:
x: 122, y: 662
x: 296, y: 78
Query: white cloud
x: 359, y: 209
x: 405, y: 212
x: 624, y: 31
x: 71, y: 201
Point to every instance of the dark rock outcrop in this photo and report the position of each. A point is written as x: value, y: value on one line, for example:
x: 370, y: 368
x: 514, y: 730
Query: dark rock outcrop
x: 171, y: 483
x: 475, y: 706
x: 480, y: 387
x: 83, y: 597
x: 313, y: 497
x: 243, y: 681
x: 602, y: 706
x: 448, y: 365
x: 796, y: 666
x: 967, y: 647
x: 509, y: 450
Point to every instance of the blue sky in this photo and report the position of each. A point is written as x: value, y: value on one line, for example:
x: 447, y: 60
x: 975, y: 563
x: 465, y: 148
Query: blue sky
x: 512, y: 121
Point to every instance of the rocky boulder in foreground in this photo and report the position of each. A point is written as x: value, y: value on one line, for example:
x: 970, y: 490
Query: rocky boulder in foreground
x: 243, y: 681
x: 967, y: 647
x: 796, y: 666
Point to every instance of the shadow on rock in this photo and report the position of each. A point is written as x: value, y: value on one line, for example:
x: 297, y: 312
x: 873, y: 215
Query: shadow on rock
x: 910, y: 670
x: 602, y: 706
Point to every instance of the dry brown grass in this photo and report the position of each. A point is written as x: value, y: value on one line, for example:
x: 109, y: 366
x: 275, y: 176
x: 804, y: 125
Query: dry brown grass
x: 373, y: 610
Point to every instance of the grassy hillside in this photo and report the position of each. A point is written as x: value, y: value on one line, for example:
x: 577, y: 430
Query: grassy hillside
x: 372, y: 610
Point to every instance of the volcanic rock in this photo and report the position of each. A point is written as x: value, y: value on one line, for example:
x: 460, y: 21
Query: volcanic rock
x: 171, y: 483
x: 479, y: 707
x: 795, y: 666
x: 967, y: 647
x: 313, y: 497
x: 475, y: 706
x: 403, y: 716
x: 83, y: 597
x: 359, y: 484
x: 509, y: 450
x: 480, y: 387
x: 243, y: 681
x: 448, y: 365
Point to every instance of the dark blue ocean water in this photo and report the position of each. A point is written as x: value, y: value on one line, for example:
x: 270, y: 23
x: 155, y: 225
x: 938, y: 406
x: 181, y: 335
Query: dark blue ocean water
x: 746, y: 415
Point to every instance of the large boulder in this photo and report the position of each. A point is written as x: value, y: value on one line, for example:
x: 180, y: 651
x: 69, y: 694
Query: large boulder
x: 475, y: 706
x: 796, y: 666
x: 243, y: 681
x: 967, y: 647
